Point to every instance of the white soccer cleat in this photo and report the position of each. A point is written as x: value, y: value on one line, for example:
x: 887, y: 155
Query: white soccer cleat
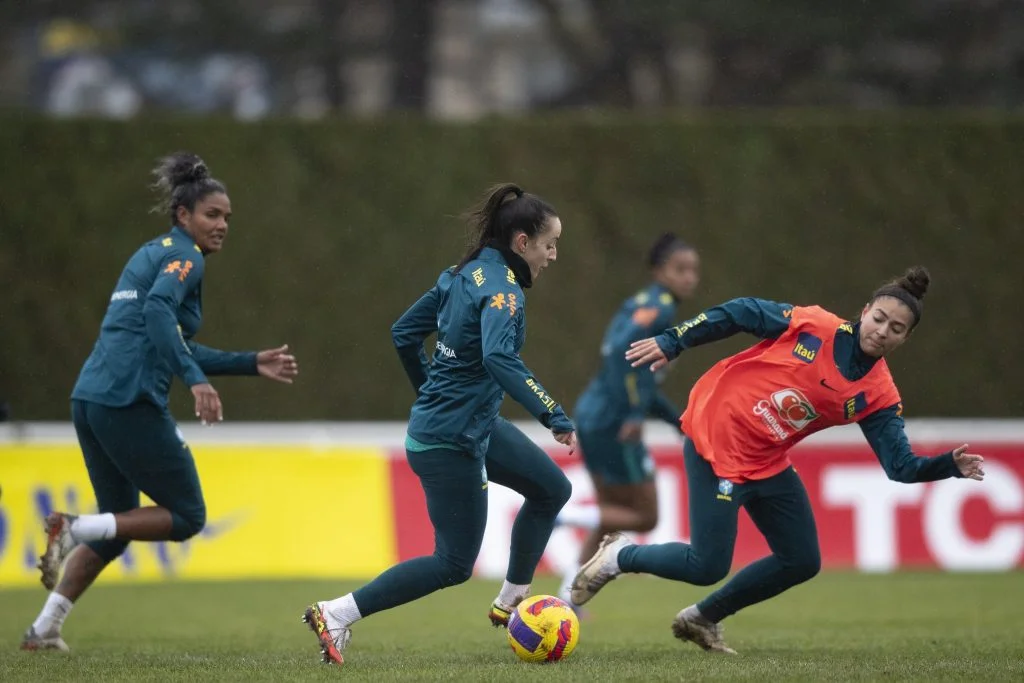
x: 50, y: 640
x: 692, y: 626
x: 565, y: 593
x: 600, y: 569
x: 59, y: 544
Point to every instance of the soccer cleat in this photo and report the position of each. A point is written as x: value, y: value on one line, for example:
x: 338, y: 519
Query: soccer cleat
x: 330, y: 645
x: 50, y: 640
x: 59, y: 543
x: 566, y: 595
x: 600, y: 569
x: 500, y: 613
x: 692, y: 626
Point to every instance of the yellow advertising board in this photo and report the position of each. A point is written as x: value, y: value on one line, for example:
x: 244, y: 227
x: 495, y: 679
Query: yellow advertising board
x: 272, y: 511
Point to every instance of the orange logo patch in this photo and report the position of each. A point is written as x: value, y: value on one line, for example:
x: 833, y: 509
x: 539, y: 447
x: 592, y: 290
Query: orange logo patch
x: 181, y: 270
x: 645, y: 316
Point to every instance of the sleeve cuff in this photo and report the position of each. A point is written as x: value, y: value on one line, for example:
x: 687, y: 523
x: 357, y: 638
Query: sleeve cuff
x: 558, y: 422
x: 194, y: 376
x: 249, y: 363
x: 950, y: 465
x: 668, y: 346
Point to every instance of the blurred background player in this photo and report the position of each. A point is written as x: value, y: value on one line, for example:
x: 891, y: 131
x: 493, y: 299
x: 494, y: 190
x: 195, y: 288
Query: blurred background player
x: 481, y: 327
x: 812, y: 371
x: 611, y: 411
x: 128, y: 438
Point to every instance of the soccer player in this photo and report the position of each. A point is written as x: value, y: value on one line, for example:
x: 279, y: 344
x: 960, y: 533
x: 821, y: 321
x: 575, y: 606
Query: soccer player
x: 812, y: 370
x: 129, y: 440
x: 455, y: 441
x: 611, y: 411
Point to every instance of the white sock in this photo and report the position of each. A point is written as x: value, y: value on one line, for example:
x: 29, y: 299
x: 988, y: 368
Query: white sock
x: 581, y: 516
x: 343, y: 611
x: 693, y: 612
x: 94, y: 527
x: 54, y: 612
x: 566, y: 588
x: 513, y: 593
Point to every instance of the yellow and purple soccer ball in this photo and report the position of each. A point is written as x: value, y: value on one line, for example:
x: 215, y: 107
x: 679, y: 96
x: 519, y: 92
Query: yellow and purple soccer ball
x: 543, y: 629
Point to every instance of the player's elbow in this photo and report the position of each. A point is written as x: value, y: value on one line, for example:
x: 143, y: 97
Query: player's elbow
x: 493, y: 363
x: 398, y: 336
x: 901, y: 474
x: 155, y: 312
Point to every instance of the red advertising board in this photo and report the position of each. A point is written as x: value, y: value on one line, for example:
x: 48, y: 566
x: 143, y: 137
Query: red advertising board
x: 864, y: 520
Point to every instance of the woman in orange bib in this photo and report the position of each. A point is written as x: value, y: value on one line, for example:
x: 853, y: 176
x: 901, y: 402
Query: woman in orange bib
x: 812, y: 370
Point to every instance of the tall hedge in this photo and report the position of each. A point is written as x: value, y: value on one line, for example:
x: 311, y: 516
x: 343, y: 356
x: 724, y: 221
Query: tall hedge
x: 339, y: 225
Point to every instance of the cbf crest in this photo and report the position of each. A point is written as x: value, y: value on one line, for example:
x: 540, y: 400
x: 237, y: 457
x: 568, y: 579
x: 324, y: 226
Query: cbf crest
x: 724, y: 489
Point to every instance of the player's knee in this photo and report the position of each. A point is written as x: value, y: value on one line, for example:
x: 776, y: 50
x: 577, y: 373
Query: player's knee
x: 561, y: 491
x: 806, y: 567
x: 454, y: 573
x: 188, y: 522
x: 803, y: 566
x: 647, y: 518
x: 109, y: 550
x: 710, y: 571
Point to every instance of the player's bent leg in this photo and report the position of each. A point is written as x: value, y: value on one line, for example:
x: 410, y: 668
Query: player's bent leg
x: 83, y: 566
x: 782, y: 512
x: 515, y: 461
x: 153, y: 454
x: 138, y: 447
x: 113, y: 491
x: 600, y: 569
x: 623, y: 506
x: 457, y: 505
x: 714, y: 518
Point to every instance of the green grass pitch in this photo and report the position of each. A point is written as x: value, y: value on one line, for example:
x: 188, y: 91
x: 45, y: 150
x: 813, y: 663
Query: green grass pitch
x: 840, y: 626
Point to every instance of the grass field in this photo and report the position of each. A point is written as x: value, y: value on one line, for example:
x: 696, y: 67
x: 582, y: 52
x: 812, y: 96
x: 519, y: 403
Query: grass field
x: 924, y: 627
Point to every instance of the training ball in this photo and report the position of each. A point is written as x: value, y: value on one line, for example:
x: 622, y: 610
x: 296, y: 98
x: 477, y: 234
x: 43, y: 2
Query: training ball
x: 543, y: 629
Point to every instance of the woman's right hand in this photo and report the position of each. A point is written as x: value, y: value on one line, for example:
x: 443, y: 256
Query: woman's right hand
x: 208, y: 407
x: 566, y: 439
x: 644, y: 352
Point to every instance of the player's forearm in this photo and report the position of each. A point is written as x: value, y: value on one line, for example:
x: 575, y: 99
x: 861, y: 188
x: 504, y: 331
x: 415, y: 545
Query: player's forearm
x: 759, y: 317
x: 216, y: 362
x: 414, y: 362
x: 517, y: 381
x: 165, y: 335
x: 887, y: 437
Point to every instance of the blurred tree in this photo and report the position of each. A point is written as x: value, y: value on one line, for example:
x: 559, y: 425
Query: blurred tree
x: 412, y: 38
x: 798, y: 52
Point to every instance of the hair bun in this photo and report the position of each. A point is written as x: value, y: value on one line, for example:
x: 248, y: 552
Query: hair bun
x: 185, y: 167
x: 915, y: 281
x: 663, y: 247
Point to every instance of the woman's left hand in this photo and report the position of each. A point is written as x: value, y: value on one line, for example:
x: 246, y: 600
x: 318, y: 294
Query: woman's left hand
x: 566, y: 439
x: 969, y: 464
x: 277, y: 364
